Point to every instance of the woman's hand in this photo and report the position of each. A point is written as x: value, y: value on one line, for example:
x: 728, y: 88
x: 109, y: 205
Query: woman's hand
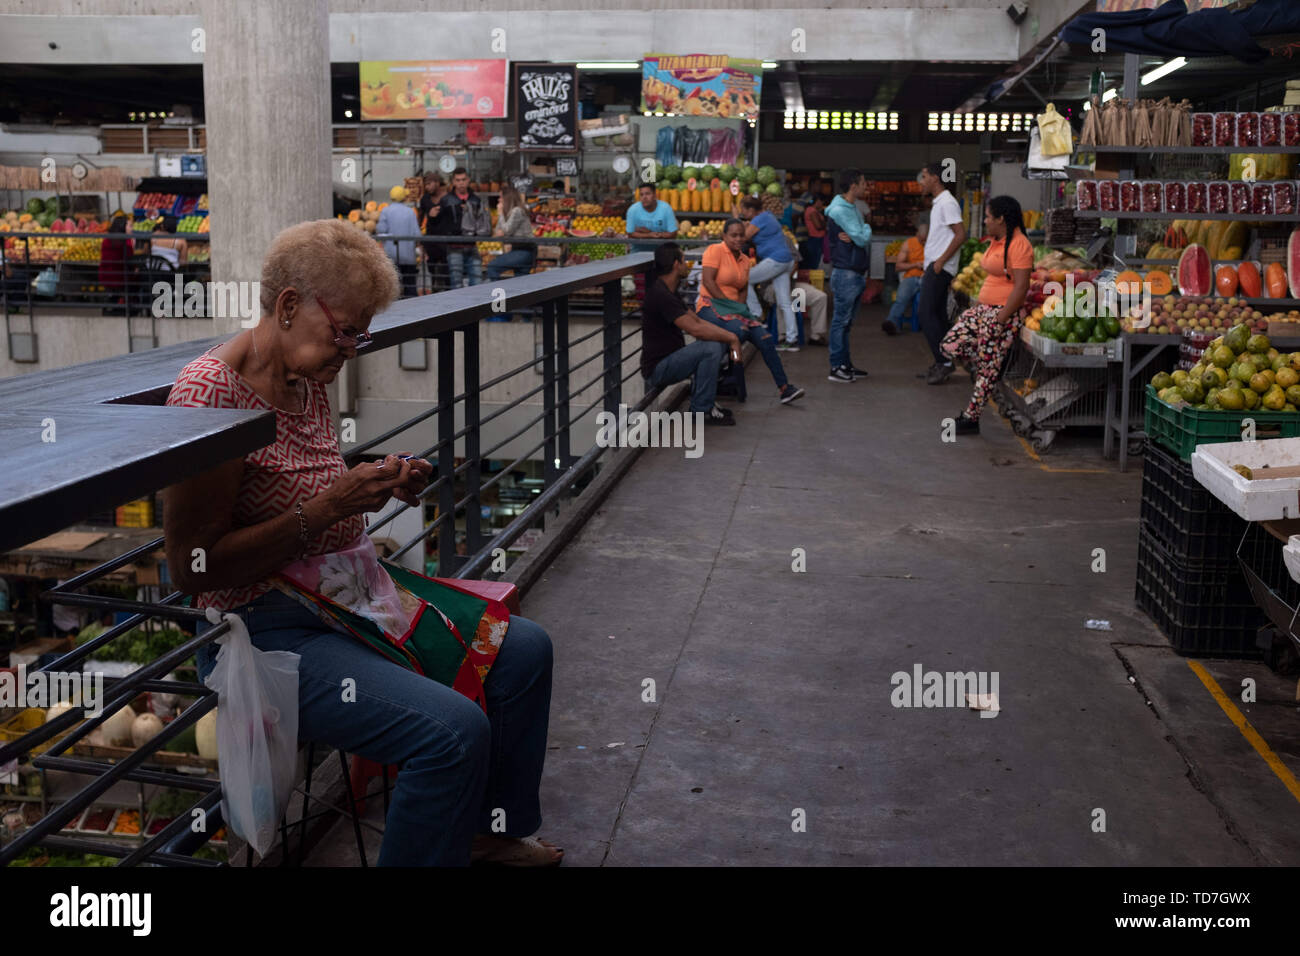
x: 369, y: 486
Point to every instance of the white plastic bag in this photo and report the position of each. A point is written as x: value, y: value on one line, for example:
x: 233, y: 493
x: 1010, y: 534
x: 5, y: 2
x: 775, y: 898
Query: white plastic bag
x: 257, y: 732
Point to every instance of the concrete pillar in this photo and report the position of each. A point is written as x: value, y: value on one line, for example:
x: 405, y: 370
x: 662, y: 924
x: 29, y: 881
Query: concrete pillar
x: 266, y: 92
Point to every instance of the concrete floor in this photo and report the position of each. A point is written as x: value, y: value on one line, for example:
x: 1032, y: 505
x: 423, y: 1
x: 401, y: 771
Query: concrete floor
x: 773, y: 688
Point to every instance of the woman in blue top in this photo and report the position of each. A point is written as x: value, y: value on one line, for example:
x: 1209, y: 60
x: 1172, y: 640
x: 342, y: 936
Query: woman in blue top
x: 774, y: 258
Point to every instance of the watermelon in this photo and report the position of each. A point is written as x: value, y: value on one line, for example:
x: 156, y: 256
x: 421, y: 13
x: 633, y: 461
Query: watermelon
x: 707, y: 172
x: 727, y: 173
x: 1194, y: 274
x: 746, y: 175
x: 581, y: 233
x: 52, y: 205
x: 35, y: 207
x: 670, y: 172
x: 766, y: 175
x: 774, y: 189
x: 1293, y: 263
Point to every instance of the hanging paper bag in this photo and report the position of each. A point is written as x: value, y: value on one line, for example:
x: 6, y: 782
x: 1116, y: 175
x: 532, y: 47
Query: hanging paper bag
x: 1054, y: 133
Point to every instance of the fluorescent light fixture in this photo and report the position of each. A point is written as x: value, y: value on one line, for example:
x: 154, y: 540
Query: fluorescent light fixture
x: 1110, y: 94
x: 611, y: 65
x: 1177, y: 63
x: 770, y: 64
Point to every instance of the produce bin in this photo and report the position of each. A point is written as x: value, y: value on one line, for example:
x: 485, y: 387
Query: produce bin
x: 1182, y: 429
x: 1204, y: 609
x: 1188, y: 520
x: 1272, y: 494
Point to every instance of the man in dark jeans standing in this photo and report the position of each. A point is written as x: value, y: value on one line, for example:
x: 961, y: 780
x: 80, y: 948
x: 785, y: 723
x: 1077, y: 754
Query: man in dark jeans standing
x: 665, y: 356
x: 435, y: 221
x: 470, y: 217
x: 850, y: 242
x: 947, y: 233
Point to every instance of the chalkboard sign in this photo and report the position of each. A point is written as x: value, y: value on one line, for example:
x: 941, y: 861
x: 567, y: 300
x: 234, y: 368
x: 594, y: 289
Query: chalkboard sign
x: 523, y: 183
x: 566, y: 166
x: 546, y: 106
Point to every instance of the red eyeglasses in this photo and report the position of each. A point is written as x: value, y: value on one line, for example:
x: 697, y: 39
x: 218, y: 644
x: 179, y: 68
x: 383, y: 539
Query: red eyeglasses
x: 357, y: 340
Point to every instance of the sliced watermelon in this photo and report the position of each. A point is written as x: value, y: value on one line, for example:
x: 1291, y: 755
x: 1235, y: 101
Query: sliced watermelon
x: 1195, y: 277
x: 1293, y: 263
x: 581, y: 233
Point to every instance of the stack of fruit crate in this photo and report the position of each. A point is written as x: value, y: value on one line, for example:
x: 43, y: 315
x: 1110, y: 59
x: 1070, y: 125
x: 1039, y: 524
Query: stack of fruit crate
x: 1189, y: 581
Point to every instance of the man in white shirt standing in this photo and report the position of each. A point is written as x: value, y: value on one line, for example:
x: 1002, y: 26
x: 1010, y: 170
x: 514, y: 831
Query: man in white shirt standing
x: 947, y: 233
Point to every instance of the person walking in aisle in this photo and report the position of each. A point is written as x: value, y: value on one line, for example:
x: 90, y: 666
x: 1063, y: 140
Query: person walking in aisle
x: 399, y: 219
x: 910, y: 265
x: 774, y: 261
x: 850, y: 241
x: 984, y: 333
x: 469, y: 217
x: 947, y: 233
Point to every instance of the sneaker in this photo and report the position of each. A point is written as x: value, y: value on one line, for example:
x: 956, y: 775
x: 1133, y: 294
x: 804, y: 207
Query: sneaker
x: 724, y: 412
x: 792, y: 346
x: 858, y: 372
x: 790, y: 392
x: 781, y: 346
x: 967, y: 426
x: 928, y: 372
x: 889, y: 328
x: 718, y: 416
x: 841, y: 374
x: 939, y: 374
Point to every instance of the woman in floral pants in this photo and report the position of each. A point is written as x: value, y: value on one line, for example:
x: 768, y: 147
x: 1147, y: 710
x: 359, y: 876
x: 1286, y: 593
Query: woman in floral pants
x: 983, y: 334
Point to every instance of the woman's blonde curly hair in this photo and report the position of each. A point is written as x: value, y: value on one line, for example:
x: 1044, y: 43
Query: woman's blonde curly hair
x: 331, y: 259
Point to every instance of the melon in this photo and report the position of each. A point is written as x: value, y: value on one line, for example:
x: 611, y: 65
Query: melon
x: 1293, y: 263
x: 581, y: 233
x: 1194, y: 274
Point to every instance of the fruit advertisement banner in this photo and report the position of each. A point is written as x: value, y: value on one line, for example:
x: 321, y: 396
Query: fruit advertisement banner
x: 433, y: 89
x: 701, y: 85
x: 546, y: 106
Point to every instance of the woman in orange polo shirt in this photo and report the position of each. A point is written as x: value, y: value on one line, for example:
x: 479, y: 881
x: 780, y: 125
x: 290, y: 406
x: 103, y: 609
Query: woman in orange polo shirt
x: 983, y: 334
x: 723, y: 288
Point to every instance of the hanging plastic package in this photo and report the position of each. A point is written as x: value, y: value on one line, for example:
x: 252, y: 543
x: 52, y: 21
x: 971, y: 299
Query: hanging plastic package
x: 257, y: 732
x: 664, y: 146
x: 1054, y: 133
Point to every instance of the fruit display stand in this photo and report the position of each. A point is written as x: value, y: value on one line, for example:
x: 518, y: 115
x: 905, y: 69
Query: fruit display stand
x: 1048, y: 386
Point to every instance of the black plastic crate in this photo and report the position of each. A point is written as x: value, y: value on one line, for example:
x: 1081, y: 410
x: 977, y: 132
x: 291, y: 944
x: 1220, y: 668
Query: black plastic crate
x: 1192, y: 524
x: 1204, y: 610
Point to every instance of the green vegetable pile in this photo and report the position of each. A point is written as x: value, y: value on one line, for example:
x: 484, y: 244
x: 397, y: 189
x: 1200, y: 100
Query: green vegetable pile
x: 136, y: 646
x: 37, y: 856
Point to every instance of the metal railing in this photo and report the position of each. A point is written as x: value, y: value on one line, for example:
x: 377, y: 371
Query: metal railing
x: 443, y: 317
x: 66, y: 271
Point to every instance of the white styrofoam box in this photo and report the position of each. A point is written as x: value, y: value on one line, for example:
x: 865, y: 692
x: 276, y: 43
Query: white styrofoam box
x: 1291, y: 555
x: 1263, y: 499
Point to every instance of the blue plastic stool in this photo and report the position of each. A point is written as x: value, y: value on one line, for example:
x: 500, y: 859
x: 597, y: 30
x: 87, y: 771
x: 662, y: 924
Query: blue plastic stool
x: 774, y: 326
x: 914, y: 320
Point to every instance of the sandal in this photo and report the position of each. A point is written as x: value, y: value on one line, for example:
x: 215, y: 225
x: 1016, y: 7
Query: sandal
x: 514, y: 851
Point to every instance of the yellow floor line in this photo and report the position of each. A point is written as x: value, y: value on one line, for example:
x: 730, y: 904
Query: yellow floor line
x: 1242, y: 724
x: 1029, y: 450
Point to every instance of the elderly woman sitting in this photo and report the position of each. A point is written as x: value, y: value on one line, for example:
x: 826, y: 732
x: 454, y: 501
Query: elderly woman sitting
x: 295, y: 500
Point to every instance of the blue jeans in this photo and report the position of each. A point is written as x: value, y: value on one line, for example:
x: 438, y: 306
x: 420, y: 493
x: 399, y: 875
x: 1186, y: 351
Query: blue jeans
x: 458, y: 764
x: 908, y: 286
x: 456, y: 261
x: 847, y: 287
x: 699, y: 359
x: 778, y: 273
x: 757, y: 334
x: 519, y: 262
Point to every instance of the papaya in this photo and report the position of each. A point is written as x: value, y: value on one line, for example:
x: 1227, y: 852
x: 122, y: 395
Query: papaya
x: 1225, y: 280
x: 1275, y: 281
x: 1249, y: 279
